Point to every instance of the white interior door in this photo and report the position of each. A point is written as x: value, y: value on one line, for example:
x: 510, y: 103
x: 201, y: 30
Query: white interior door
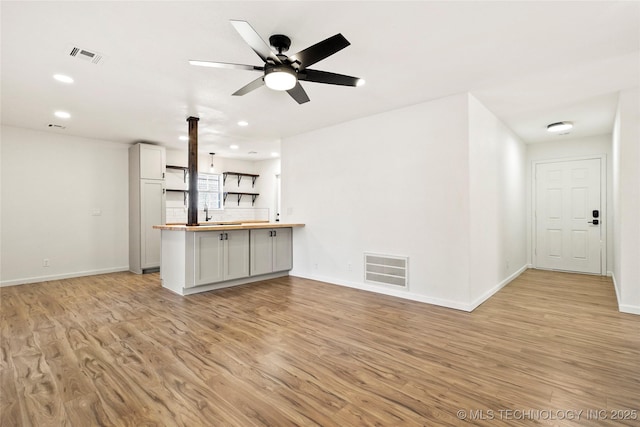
x: 567, y: 194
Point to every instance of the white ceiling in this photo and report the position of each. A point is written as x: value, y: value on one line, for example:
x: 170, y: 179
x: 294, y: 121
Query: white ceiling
x: 531, y: 63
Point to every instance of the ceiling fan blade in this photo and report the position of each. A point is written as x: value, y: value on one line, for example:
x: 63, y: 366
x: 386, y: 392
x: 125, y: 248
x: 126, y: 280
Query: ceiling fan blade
x: 320, y: 51
x: 253, y: 39
x: 249, y: 87
x: 225, y: 65
x: 298, y: 94
x: 329, y: 78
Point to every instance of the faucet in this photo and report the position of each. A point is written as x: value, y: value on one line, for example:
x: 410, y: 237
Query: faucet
x: 206, y: 213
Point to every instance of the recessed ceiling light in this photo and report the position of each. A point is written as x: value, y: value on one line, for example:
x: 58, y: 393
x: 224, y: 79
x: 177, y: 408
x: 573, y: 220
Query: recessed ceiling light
x: 559, y: 127
x: 234, y: 147
x: 183, y: 138
x: 360, y: 82
x: 62, y: 78
x: 62, y: 114
x: 274, y: 154
x: 243, y: 123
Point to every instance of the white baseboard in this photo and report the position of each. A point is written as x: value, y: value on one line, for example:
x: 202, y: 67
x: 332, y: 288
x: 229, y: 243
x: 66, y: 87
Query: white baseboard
x: 38, y: 279
x: 181, y: 290
x: 615, y: 286
x: 457, y: 305
x: 631, y: 309
x: 622, y: 308
x: 475, y: 304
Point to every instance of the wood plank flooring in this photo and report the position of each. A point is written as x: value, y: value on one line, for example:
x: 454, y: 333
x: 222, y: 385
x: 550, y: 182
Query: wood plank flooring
x: 118, y: 350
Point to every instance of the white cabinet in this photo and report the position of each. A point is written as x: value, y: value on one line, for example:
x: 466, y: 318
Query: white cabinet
x: 271, y: 250
x: 152, y: 199
x: 152, y: 160
x: 219, y: 256
x: 146, y: 206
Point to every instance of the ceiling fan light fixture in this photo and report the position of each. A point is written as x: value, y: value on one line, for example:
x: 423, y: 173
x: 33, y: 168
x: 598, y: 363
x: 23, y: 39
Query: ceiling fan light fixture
x: 280, y: 78
x: 559, y: 127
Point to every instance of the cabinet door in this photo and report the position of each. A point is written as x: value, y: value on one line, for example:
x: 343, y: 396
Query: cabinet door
x: 152, y: 212
x: 261, y: 251
x: 236, y: 258
x: 152, y: 161
x: 209, y: 257
x: 282, y: 249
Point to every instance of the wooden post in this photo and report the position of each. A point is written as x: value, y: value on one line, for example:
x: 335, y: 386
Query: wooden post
x: 192, y: 211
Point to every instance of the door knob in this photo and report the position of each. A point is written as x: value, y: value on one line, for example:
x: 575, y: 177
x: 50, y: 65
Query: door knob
x: 594, y: 222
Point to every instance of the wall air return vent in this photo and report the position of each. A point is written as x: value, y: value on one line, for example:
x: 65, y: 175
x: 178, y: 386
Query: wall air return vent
x: 386, y: 270
x: 85, y: 54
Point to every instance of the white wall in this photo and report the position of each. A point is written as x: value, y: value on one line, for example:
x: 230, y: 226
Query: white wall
x: 268, y: 170
x: 567, y: 148
x: 399, y: 183
x: 52, y: 184
x: 626, y: 201
x: 497, y: 203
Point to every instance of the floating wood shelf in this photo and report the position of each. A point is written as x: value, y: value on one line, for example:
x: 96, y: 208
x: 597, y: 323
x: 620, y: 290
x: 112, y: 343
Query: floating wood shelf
x: 184, y: 170
x: 240, y: 175
x: 253, y: 196
x: 185, y: 192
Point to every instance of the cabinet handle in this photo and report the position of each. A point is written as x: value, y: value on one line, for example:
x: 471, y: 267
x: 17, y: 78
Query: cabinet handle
x: 226, y: 236
x: 221, y: 236
x: 274, y: 233
x: 270, y: 233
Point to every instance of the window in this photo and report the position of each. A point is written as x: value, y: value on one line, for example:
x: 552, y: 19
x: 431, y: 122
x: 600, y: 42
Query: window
x: 210, y: 191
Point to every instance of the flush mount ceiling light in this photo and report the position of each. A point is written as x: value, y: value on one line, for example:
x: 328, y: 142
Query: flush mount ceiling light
x: 234, y: 147
x: 559, y: 127
x: 280, y: 77
x: 62, y: 114
x: 62, y: 78
x: 243, y: 123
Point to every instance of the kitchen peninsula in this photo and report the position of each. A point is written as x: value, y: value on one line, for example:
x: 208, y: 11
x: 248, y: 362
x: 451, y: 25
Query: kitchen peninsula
x: 218, y: 255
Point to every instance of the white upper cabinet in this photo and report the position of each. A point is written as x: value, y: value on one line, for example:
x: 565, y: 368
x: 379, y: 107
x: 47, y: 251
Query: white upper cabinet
x: 152, y: 161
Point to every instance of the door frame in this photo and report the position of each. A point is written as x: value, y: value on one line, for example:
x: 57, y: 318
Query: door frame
x: 603, y: 206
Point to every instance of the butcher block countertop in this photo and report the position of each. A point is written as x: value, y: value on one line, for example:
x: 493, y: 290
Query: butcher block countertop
x: 215, y: 226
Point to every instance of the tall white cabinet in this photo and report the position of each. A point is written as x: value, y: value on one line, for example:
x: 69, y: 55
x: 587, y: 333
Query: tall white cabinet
x: 147, y: 198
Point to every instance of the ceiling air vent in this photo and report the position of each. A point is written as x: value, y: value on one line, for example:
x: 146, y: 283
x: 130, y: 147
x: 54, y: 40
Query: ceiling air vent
x: 55, y: 126
x: 85, y: 55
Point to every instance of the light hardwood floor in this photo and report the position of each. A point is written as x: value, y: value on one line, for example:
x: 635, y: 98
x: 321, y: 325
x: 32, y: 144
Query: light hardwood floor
x: 118, y: 350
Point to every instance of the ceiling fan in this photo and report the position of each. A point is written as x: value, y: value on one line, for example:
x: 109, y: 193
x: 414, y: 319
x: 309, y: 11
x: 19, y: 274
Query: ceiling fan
x: 282, y: 72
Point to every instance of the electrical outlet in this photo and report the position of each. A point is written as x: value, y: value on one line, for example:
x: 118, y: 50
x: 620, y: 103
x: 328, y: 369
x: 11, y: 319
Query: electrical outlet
x: 45, y: 262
